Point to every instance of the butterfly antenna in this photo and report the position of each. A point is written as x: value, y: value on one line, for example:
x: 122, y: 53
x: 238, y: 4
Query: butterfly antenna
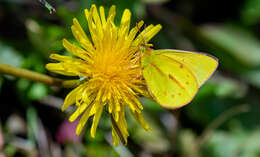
x: 138, y: 28
x: 145, y: 34
x: 139, y: 31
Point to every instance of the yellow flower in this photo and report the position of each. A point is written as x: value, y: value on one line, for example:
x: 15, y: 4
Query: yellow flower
x: 110, y: 67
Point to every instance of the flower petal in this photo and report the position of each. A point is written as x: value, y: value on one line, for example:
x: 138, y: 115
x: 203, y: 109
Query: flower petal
x: 83, y: 119
x: 77, y: 51
x: 71, y: 97
x: 140, y: 119
x: 102, y: 15
x: 96, y: 119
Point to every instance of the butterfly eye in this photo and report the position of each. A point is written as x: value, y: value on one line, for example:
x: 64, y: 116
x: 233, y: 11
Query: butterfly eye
x: 143, y: 48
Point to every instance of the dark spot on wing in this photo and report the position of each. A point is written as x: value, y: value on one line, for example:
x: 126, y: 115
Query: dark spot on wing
x: 164, y: 93
x: 170, y: 76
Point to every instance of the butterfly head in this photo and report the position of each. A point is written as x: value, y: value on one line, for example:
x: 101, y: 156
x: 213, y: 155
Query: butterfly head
x: 145, y: 48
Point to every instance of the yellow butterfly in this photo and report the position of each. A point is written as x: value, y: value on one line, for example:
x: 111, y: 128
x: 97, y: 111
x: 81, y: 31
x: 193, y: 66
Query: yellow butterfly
x: 173, y: 77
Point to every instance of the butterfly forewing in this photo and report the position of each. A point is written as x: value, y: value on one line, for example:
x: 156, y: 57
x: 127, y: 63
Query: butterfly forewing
x: 202, y: 65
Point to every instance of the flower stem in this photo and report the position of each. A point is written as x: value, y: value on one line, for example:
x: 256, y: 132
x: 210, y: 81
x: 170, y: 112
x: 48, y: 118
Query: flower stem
x: 35, y: 76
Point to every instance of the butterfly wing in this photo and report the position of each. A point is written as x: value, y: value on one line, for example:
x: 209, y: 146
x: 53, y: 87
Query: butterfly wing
x: 172, y: 81
x: 202, y: 65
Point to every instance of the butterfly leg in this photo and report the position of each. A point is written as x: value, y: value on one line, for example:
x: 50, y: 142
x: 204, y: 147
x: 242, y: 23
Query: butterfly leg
x: 138, y: 58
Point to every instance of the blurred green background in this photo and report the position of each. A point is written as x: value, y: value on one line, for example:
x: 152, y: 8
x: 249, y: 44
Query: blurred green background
x: 222, y: 120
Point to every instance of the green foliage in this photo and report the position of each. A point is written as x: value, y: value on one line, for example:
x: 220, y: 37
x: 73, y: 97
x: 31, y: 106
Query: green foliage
x: 241, y: 45
x: 250, y: 13
x: 37, y: 91
x: 10, y: 56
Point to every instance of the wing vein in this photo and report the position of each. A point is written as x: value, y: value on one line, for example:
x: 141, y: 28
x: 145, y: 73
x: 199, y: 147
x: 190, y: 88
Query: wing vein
x: 159, y: 70
x: 176, y: 81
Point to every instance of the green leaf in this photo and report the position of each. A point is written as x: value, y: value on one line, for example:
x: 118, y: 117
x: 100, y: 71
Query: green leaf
x: 154, y: 140
x: 230, y: 88
x: 10, y: 56
x: 10, y: 150
x: 32, y: 122
x: 37, y: 91
x: 238, y: 141
x: 23, y: 84
x: 240, y: 44
x: 253, y: 77
x: 250, y: 13
x: 187, y: 143
x: 45, y: 38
